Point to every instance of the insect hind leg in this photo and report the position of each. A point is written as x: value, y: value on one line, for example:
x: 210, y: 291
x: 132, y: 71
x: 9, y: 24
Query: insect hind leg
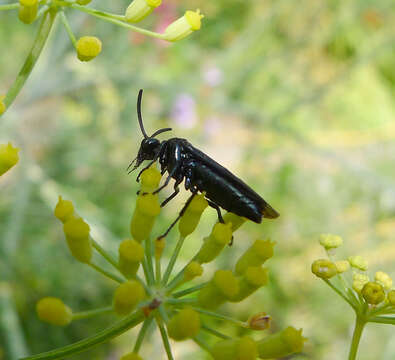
x: 216, y: 207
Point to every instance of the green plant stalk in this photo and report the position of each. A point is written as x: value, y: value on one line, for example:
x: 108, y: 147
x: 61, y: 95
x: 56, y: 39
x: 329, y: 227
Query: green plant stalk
x: 92, y: 313
x: 67, y: 26
x: 31, y: 59
x: 359, y: 326
x: 173, y: 259
x: 106, y: 273
x: 383, y: 320
x: 115, y: 19
x: 158, y: 272
x: 9, y: 6
x: 148, y: 256
x: 215, y: 332
x: 220, y: 317
x: 141, y: 335
x: 105, y: 254
x: 165, y: 338
x: 189, y: 290
x: 333, y: 287
x: 102, y: 336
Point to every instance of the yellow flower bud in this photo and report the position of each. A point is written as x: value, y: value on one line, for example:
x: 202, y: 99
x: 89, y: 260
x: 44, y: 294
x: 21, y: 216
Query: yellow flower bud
x: 358, y: 262
x: 131, y: 356
x: 28, y: 10
x: 160, y: 244
x: 192, y: 270
x: 88, y: 47
x: 244, y: 348
x: 253, y: 278
x: 329, y: 241
x: 220, y: 236
x: 373, y: 293
x: 342, y: 266
x: 260, y: 321
x: 3, y: 107
x: 79, y: 242
x: 222, y: 287
x: 127, y: 296
x: 64, y: 209
x: 191, y: 217
x: 281, y: 344
x: 139, y: 9
x: 323, y: 269
x: 131, y: 253
x: 255, y: 255
x: 184, y: 325
x: 53, y: 311
x: 235, y: 220
x: 184, y: 26
x: 391, y: 297
x: 147, y: 209
x: 83, y: 2
x: 383, y: 279
x: 150, y: 178
x: 359, y: 281
x: 8, y: 157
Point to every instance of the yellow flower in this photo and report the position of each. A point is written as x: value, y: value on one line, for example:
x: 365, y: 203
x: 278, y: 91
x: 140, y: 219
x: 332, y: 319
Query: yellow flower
x: 244, y: 348
x: 139, y: 9
x: 255, y: 255
x: 127, y: 296
x: 131, y: 253
x: 8, y: 157
x: 323, y: 269
x: 359, y: 281
x: 88, y: 47
x: 235, y: 220
x: 342, y: 266
x: 3, y: 108
x: 191, y: 217
x: 78, y: 240
x: 358, y: 262
x: 83, y: 2
x: 28, y: 10
x: 329, y: 241
x: 64, y: 209
x: 184, y: 325
x: 253, y: 278
x: 150, y: 179
x: 192, y: 270
x: 185, y: 25
x: 373, y: 293
x: 383, y: 279
x: 391, y: 297
x: 53, y: 311
x: 281, y: 344
x: 213, y: 245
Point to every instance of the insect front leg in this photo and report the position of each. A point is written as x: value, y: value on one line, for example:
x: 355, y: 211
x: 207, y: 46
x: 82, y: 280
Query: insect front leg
x: 174, y: 194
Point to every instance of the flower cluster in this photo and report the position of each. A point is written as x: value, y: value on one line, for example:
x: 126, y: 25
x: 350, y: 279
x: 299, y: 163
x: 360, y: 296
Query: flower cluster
x: 88, y: 47
x: 373, y: 299
x: 144, y: 294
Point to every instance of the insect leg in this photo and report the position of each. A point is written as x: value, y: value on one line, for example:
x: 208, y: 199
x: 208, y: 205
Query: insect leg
x: 166, y: 181
x: 216, y: 207
x: 179, y: 215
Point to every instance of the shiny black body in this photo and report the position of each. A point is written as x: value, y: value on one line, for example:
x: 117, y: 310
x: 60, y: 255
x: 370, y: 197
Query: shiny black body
x: 200, y: 173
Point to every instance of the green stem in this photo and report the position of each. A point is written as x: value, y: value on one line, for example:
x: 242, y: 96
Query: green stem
x: 106, y: 273
x: 220, y: 316
x: 142, y: 333
x: 117, y: 20
x: 173, y: 259
x: 359, y: 325
x: 31, y: 59
x: 383, y: 320
x: 165, y: 337
x: 9, y: 6
x: 158, y: 274
x: 147, y: 273
x: 102, y: 336
x: 148, y: 257
x: 189, y: 290
x: 181, y: 301
x: 105, y: 254
x: 68, y: 28
x: 91, y: 313
x: 202, y: 343
x: 333, y: 287
x: 215, y: 332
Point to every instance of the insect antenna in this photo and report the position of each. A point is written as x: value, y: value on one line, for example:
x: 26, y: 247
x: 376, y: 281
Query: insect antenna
x: 139, y: 98
x: 160, y: 131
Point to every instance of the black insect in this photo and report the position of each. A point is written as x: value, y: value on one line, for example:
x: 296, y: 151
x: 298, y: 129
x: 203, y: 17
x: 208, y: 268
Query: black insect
x: 200, y: 173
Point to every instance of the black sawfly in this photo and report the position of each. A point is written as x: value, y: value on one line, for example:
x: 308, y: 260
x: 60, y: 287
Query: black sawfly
x: 200, y: 173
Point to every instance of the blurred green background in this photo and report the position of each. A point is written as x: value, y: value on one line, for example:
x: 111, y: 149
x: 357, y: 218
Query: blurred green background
x: 295, y: 97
